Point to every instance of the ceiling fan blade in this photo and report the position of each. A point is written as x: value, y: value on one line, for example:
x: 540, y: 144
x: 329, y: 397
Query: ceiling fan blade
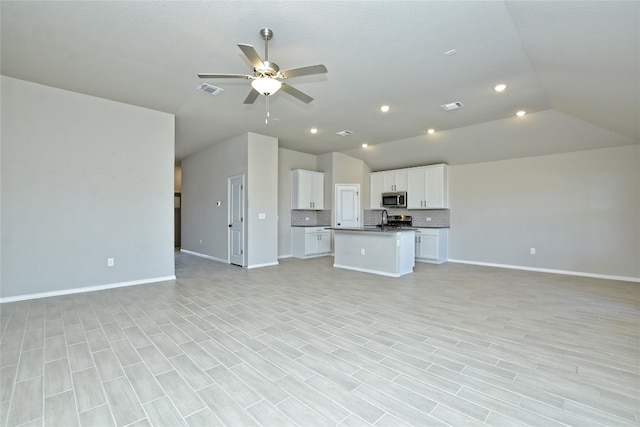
x: 251, y: 98
x: 252, y: 55
x: 296, y: 93
x: 304, y: 71
x: 224, y: 76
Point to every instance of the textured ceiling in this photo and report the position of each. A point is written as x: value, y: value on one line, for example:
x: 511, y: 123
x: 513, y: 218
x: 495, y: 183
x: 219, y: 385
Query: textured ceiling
x: 574, y: 66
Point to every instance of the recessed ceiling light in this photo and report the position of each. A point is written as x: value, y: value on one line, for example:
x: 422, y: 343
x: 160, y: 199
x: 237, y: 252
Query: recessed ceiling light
x: 384, y: 108
x: 500, y: 88
x: 521, y: 113
x: 313, y: 130
x: 431, y: 131
x: 365, y: 145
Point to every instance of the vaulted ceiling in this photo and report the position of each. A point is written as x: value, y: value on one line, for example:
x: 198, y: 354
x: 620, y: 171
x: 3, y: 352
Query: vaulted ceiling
x: 573, y: 66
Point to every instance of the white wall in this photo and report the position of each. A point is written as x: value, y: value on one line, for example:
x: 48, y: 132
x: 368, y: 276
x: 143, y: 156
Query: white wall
x: 83, y: 179
x: 581, y: 211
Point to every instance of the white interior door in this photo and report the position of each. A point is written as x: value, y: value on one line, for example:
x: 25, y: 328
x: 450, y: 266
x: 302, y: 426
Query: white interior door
x: 236, y: 220
x: 347, y: 205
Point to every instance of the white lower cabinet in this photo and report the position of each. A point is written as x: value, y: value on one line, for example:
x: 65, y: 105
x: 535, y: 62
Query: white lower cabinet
x: 431, y: 245
x: 308, y: 242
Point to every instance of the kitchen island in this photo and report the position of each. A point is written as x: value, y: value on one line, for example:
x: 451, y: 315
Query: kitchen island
x: 387, y: 251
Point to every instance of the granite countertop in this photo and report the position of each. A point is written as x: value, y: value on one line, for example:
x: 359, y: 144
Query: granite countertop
x: 314, y: 225
x: 374, y: 229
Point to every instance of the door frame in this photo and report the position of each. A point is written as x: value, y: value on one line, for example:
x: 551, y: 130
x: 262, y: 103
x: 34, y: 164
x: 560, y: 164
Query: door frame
x: 230, y: 179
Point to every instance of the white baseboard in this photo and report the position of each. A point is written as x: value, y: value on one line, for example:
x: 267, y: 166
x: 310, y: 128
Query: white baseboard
x: 285, y: 256
x: 204, y: 256
x: 85, y: 289
x: 225, y: 261
x: 268, y: 264
x: 549, y: 270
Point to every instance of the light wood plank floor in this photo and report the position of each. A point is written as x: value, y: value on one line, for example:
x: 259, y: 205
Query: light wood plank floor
x: 303, y: 343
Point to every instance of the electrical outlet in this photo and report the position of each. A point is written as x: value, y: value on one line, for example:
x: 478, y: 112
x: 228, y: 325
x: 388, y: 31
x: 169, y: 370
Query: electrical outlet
x: 362, y: 251
x: 428, y: 219
x: 532, y: 251
x: 111, y: 262
x: 306, y: 218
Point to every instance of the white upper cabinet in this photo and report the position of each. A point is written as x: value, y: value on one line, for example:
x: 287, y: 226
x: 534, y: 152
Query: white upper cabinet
x: 427, y: 187
x: 416, y: 188
x: 395, y: 180
x: 376, y: 185
x: 307, y: 189
x: 384, y: 182
x: 437, y: 187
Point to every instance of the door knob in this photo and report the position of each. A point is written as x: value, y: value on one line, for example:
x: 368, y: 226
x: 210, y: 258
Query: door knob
x: 229, y: 225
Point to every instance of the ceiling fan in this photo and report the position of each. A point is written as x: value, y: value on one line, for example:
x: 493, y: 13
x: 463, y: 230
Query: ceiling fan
x: 266, y: 78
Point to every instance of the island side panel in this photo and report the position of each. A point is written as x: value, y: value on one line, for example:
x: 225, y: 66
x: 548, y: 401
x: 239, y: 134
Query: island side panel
x: 406, y: 252
x: 382, y: 252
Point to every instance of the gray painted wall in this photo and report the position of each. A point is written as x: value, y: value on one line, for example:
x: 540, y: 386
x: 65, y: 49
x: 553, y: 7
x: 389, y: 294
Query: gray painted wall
x: 262, y: 196
x: 204, y: 182
x: 83, y: 179
x: 581, y: 211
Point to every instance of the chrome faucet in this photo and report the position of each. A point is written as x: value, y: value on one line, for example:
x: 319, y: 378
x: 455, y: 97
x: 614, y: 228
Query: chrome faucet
x: 383, y: 214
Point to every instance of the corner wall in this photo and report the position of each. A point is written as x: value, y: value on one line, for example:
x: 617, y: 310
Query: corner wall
x: 580, y: 211
x: 262, y: 206
x: 83, y: 179
x: 204, y: 183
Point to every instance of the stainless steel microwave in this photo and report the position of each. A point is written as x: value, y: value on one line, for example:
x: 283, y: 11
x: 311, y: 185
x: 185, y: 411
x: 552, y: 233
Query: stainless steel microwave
x: 396, y: 199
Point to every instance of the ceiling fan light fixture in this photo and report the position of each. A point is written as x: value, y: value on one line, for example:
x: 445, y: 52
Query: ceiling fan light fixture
x: 266, y: 85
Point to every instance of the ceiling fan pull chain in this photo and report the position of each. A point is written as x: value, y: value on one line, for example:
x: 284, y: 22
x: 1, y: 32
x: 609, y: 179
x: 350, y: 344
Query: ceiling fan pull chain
x: 266, y: 119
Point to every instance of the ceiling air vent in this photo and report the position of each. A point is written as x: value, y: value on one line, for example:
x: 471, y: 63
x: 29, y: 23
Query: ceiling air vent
x: 344, y: 133
x: 452, y: 106
x: 213, y: 90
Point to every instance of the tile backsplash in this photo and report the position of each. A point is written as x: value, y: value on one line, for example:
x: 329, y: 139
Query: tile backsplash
x: 439, y: 217
x: 299, y: 217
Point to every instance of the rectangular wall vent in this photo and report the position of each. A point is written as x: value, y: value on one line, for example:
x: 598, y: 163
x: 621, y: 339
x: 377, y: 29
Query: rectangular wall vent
x: 452, y: 106
x: 213, y: 90
x: 344, y: 133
